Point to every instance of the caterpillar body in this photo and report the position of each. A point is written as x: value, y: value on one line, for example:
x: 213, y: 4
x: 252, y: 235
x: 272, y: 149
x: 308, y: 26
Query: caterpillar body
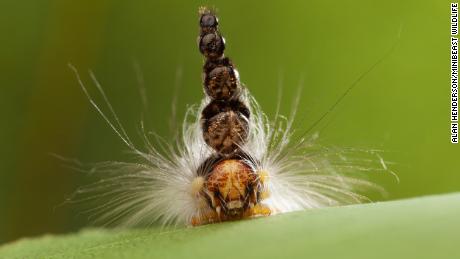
x: 233, y: 186
x: 231, y: 162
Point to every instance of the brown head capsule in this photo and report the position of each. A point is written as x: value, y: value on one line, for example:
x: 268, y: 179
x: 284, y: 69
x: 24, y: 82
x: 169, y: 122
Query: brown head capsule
x: 231, y: 188
x: 208, y: 21
x: 225, y: 125
x: 222, y: 82
x: 212, y: 45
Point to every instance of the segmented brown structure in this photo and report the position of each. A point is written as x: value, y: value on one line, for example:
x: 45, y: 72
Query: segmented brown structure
x: 231, y: 186
x: 225, y: 121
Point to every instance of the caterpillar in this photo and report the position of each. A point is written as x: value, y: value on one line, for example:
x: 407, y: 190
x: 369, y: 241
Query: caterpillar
x: 232, y: 186
x: 230, y: 162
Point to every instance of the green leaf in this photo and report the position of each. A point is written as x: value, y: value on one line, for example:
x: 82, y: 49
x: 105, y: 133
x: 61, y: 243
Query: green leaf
x: 427, y: 227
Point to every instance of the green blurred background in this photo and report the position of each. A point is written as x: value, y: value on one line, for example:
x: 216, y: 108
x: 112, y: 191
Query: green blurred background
x: 401, y: 107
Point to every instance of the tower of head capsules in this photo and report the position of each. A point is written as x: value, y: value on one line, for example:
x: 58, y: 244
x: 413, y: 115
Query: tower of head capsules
x: 230, y: 186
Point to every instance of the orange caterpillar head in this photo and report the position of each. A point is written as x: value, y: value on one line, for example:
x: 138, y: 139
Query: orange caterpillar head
x: 232, y: 188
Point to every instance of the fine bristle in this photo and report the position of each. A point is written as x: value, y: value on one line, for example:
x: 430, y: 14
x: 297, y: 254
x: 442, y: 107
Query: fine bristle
x: 303, y: 174
x: 206, y: 10
x: 157, y: 186
x: 165, y: 182
x: 203, y: 10
x: 160, y: 186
